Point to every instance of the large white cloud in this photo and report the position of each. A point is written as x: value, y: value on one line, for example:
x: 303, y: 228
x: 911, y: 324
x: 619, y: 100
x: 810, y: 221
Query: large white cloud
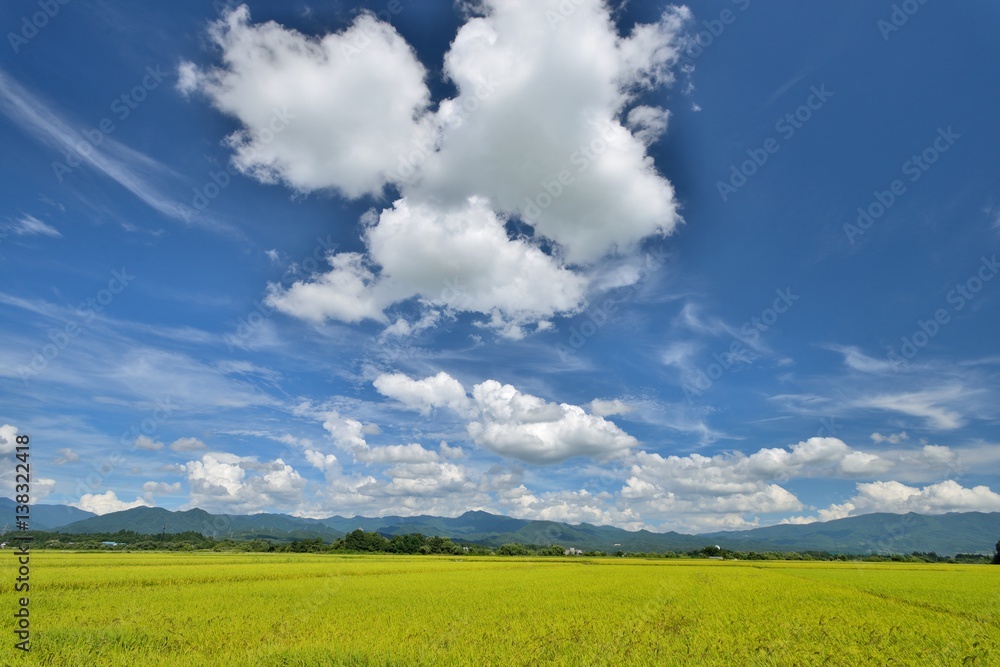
x: 529, y: 428
x: 459, y: 259
x: 347, y: 293
x: 544, y: 127
x: 436, y: 391
x: 537, y: 100
x: 334, y: 112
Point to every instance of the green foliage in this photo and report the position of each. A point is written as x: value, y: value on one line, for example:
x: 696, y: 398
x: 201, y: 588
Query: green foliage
x: 944, y: 534
x: 361, y: 541
x: 513, y: 549
x: 124, y: 540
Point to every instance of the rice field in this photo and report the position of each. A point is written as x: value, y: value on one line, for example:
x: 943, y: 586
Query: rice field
x: 189, y: 609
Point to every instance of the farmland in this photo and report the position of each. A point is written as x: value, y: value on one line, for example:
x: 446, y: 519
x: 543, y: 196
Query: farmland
x: 304, y: 609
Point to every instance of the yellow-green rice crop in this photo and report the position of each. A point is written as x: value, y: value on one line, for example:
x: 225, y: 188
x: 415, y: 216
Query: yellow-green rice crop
x: 154, y: 609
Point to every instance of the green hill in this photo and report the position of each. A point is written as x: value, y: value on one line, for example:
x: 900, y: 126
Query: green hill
x: 946, y: 534
x: 46, y: 517
x: 154, y: 520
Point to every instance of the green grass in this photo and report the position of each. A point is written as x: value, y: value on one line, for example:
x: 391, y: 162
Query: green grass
x: 155, y: 609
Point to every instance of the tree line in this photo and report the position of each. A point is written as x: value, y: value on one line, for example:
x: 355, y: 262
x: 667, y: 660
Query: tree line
x: 360, y: 542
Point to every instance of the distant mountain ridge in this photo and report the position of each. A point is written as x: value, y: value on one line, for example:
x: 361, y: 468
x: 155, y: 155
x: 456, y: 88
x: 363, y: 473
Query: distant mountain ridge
x: 44, y: 517
x: 946, y: 534
x: 154, y: 520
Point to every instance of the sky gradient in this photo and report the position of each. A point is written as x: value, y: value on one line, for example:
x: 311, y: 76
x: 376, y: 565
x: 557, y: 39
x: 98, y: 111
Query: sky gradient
x: 689, y: 268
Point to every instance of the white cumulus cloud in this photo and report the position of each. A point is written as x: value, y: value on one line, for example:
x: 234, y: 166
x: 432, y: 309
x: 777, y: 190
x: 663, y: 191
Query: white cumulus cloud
x: 436, y: 391
x: 317, y: 113
x: 103, y: 503
x: 512, y: 423
x: 225, y: 482
x: 529, y: 428
x: 543, y: 128
x: 898, y: 498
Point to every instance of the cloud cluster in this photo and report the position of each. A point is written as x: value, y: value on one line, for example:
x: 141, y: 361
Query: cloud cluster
x: 8, y: 438
x: 580, y: 506
x: 228, y: 483
x: 731, y: 487
x: 511, y: 423
x: 738, y: 473
x: 437, y: 391
x: 640, y: 489
x: 348, y: 434
x: 40, y: 486
x: 526, y: 427
x: 544, y: 128
x: 898, y: 498
x: 104, y: 503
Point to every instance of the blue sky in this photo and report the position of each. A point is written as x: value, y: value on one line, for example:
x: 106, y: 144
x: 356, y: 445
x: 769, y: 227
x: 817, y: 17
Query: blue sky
x: 676, y: 267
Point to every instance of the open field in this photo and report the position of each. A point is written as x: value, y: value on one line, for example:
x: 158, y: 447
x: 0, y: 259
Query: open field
x: 300, y: 609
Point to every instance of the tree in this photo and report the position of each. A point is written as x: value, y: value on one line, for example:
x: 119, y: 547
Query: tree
x: 311, y: 545
x: 355, y: 541
x: 512, y: 549
x: 996, y: 556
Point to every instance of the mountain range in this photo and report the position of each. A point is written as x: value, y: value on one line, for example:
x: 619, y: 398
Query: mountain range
x: 946, y: 534
x: 44, y: 517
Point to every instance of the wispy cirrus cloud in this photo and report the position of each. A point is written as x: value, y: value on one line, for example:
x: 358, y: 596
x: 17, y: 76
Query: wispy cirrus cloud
x: 934, y: 395
x: 29, y: 225
x: 133, y: 170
